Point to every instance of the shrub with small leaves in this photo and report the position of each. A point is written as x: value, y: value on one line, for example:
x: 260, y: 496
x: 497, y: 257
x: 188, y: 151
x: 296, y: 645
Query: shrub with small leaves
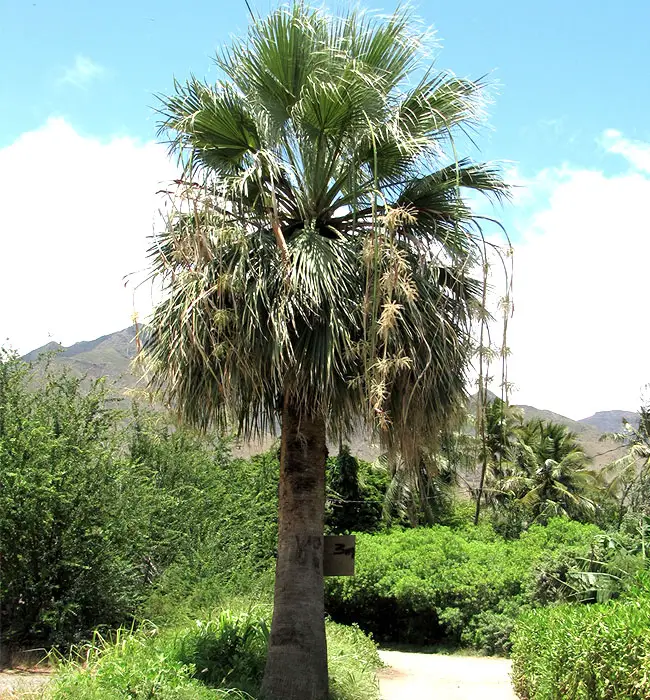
x: 438, y: 584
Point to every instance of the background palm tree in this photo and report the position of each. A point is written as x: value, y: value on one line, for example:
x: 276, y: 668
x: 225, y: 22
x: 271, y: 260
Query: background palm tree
x: 626, y: 480
x: 547, y: 473
x: 419, y: 492
x: 317, y: 267
x: 497, y: 446
x: 501, y: 424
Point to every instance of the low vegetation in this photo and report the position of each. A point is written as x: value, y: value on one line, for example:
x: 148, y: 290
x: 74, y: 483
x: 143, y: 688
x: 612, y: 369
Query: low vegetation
x: 221, y: 657
x: 585, y: 652
x: 107, y: 509
x: 439, y: 584
x: 122, y: 527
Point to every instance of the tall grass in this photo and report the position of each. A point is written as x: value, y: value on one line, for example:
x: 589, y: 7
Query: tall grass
x: 584, y: 652
x: 221, y: 657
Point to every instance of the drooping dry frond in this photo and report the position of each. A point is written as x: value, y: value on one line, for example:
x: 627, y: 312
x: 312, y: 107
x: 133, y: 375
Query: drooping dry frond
x: 324, y: 247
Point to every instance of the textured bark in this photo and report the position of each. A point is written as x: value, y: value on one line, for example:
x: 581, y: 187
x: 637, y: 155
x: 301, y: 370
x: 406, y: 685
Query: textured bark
x: 296, y: 667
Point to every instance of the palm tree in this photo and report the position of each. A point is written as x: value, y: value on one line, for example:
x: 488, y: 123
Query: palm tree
x: 626, y: 480
x: 499, y: 424
x: 316, y: 268
x: 548, y: 473
x: 419, y: 491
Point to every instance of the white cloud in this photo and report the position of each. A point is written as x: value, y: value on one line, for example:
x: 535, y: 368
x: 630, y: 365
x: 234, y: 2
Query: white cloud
x: 580, y: 335
x: 76, y: 218
x: 82, y: 73
x: 81, y: 209
x: 637, y: 153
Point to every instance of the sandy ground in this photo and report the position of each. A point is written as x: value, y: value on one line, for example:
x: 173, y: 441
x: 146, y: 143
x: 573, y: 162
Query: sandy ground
x: 437, y: 677
x: 22, y: 684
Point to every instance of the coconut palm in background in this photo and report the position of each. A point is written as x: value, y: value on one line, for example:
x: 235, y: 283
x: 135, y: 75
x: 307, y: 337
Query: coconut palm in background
x: 499, y: 447
x: 627, y: 478
x: 317, y: 268
x: 422, y: 491
x: 548, y: 473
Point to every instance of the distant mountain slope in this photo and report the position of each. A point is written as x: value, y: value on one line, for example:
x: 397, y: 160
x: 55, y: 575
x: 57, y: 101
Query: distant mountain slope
x: 111, y: 356
x: 107, y: 356
x: 532, y: 413
x: 611, y: 421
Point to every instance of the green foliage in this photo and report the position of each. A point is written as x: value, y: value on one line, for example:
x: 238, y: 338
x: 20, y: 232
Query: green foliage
x: 352, y: 661
x: 222, y: 657
x: 356, y: 494
x: 229, y: 651
x: 578, y: 652
x: 606, y: 571
x: 130, y: 665
x: 491, y: 631
x: 234, y: 553
x: 104, y: 511
x: 537, y: 470
x: 438, y: 584
x: 70, y: 558
x: 625, y: 483
x: 420, y: 491
x: 327, y: 252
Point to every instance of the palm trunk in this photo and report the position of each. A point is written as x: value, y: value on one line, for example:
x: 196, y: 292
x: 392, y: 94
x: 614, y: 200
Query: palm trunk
x: 296, y: 667
x: 479, y: 496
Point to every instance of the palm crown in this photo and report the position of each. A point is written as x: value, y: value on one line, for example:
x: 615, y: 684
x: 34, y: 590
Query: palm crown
x: 322, y: 248
x: 318, y: 260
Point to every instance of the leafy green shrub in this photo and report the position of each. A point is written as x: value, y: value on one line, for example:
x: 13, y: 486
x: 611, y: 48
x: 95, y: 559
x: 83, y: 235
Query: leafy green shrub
x: 510, y: 519
x: 605, y: 571
x: 491, y: 631
x: 107, y: 513
x: 584, y: 652
x: 356, y: 494
x: 72, y: 509
x: 233, y: 554
x: 437, y: 584
x: 218, y: 658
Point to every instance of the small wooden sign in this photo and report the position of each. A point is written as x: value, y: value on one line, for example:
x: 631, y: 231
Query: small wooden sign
x: 338, y: 555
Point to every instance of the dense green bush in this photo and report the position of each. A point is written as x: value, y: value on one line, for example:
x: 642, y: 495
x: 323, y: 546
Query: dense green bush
x: 106, y: 511
x: 437, y: 584
x: 356, y: 493
x: 218, y: 658
x: 584, y: 652
x: 605, y: 571
x: 73, y: 529
x: 233, y: 554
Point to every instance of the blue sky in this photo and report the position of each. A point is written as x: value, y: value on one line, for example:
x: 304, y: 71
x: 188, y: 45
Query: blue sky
x: 569, y: 120
x: 566, y: 70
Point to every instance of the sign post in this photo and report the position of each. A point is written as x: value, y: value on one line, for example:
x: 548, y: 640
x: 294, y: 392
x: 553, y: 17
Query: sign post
x: 338, y: 555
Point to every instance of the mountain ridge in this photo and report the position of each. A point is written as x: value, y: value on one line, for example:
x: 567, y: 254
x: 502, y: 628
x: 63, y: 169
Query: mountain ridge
x: 109, y: 355
x: 611, y: 421
x: 112, y: 354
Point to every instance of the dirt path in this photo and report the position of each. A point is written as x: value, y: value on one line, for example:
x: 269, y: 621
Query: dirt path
x: 437, y: 677
x: 22, y: 684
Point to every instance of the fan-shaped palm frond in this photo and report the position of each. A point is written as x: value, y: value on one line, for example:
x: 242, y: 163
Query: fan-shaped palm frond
x: 318, y: 263
x: 347, y: 288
